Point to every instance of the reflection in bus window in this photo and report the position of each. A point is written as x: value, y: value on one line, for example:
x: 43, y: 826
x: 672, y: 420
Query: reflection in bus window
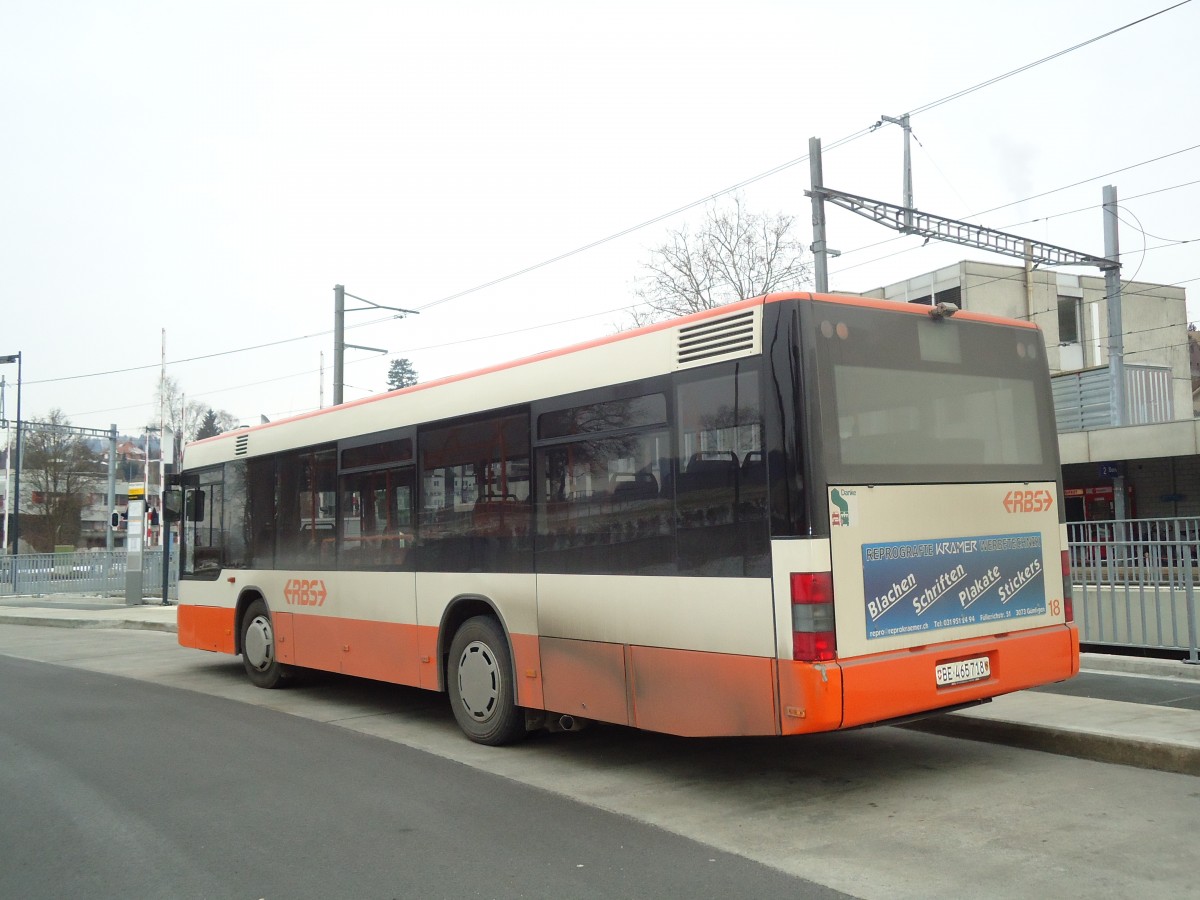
x: 721, y: 506
x: 307, y: 492
x: 204, y: 538
x: 475, y: 488
x: 377, y: 520
x: 607, y: 506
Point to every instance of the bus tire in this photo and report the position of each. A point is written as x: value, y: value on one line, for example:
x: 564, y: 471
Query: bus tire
x: 258, y: 648
x: 479, y: 679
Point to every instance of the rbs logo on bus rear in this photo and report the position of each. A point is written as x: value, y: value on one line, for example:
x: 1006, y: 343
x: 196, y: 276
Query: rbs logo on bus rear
x: 1028, y: 501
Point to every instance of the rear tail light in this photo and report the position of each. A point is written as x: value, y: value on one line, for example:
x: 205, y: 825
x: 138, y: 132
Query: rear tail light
x: 1068, y: 605
x: 813, y: 636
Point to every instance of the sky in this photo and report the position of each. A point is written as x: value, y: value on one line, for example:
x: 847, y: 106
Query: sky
x: 199, y: 176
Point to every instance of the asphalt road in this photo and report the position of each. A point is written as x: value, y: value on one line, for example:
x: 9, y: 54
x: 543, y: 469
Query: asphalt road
x: 118, y: 788
x: 885, y: 813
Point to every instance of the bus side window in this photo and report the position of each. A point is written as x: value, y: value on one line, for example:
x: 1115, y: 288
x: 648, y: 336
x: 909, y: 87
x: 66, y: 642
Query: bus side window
x: 306, y: 491
x: 376, y: 520
x: 475, y: 495
x: 603, y: 507
x: 721, y: 494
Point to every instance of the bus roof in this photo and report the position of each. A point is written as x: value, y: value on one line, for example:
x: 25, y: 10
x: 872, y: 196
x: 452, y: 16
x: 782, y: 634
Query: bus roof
x: 647, y: 330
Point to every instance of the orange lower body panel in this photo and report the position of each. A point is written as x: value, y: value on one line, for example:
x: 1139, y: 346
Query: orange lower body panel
x: 586, y: 679
x: 682, y: 692
x: 207, y: 628
x: 892, y: 685
x: 810, y: 697
x: 527, y: 664
x: 702, y: 694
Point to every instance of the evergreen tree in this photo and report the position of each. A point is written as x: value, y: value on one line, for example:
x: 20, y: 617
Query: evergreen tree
x: 401, y: 374
x: 209, y: 426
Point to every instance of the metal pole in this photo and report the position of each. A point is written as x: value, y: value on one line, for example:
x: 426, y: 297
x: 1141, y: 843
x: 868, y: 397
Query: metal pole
x: 109, y: 537
x: 820, y: 259
x: 1116, y: 334
x: 7, y: 468
x: 1112, y: 292
x: 166, y: 554
x: 16, y: 523
x: 339, y: 341
x: 162, y: 436
x: 908, y: 191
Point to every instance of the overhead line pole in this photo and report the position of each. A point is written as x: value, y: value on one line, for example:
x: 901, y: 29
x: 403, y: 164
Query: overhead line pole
x: 339, y: 341
x: 339, y: 334
x: 820, y: 250
x: 1116, y: 336
x: 908, y: 188
x: 1112, y: 292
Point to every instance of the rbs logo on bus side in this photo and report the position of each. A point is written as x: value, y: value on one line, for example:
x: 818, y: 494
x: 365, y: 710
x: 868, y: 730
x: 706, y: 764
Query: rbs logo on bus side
x: 305, y: 592
x: 1028, y: 501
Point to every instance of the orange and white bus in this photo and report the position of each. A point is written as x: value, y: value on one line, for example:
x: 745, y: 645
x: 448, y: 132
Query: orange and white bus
x: 791, y: 514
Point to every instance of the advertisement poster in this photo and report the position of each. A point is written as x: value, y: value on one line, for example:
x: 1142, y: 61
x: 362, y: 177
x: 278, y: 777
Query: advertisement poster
x: 913, y: 586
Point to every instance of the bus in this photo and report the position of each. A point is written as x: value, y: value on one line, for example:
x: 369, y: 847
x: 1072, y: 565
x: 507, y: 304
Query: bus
x: 791, y: 514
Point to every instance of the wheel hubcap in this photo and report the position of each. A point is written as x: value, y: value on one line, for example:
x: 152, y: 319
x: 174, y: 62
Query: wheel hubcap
x: 478, y: 681
x: 259, y: 646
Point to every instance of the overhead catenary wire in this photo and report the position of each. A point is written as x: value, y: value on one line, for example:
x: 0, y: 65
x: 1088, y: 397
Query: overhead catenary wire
x: 890, y: 240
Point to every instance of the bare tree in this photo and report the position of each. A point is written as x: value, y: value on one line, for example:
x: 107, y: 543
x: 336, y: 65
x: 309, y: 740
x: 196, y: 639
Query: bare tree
x: 734, y: 254
x: 183, y: 416
x: 61, y: 468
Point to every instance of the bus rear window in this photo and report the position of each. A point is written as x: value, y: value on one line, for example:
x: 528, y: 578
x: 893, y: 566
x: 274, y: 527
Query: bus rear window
x: 891, y: 416
x: 904, y: 398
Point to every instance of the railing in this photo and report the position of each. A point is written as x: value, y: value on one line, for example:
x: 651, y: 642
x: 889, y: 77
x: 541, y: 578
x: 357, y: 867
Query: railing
x: 83, y: 572
x: 1134, y: 583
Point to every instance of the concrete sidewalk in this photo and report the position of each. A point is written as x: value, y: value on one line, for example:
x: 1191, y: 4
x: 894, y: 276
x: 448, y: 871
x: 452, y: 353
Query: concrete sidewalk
x: 1125, y: 720
x: 75, y: 611
x: 1134, y: 730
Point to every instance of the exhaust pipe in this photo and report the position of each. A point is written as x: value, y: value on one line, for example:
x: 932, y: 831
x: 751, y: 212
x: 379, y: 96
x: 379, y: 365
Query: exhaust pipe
x: 567, y: 723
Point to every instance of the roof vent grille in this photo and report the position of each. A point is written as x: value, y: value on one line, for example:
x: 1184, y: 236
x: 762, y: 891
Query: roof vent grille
x: 241, y: 445
x: 716, y: 339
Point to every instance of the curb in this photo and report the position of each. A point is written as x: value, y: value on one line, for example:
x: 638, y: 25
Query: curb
x: 1106, y: 664
x: 1107, y: 748
x: 50, y: 621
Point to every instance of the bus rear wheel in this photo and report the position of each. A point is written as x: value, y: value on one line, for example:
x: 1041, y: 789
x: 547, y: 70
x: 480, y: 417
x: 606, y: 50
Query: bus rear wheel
x: 480, y: 683
x: 258, y: 648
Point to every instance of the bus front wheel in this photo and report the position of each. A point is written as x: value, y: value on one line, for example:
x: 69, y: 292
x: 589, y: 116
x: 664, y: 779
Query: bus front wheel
x: 258, y: 648
x: 480, y: 683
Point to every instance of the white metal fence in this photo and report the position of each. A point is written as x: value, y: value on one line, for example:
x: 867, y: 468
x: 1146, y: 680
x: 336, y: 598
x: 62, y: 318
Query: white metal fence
x: 83, y: 572
x: 1135, y: 583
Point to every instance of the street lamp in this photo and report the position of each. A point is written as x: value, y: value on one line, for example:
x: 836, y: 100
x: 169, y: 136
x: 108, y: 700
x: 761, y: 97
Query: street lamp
x: 16, y: 511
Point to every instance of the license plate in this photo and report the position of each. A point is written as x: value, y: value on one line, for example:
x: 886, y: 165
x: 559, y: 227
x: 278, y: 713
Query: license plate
x: 964, y: 670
